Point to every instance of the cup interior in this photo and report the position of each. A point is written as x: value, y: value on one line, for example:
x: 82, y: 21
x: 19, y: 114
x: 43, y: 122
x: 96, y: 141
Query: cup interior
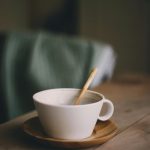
x: 65, y: 97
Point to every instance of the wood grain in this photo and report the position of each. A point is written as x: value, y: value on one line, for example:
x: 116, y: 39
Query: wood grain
x: 103, y: 132
x: 136, y: 137
x: 131, y: 98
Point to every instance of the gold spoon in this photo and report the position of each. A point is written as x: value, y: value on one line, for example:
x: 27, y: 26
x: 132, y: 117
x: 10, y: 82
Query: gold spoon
x: 85, y: 87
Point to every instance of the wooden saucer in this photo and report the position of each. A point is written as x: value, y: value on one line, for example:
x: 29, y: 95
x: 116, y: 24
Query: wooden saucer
x: 103, y: 132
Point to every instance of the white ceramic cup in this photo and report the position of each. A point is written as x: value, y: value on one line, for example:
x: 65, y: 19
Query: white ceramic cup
x: 63, y: 120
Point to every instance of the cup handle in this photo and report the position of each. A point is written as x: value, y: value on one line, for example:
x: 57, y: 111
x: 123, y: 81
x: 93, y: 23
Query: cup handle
x: 110, y: 110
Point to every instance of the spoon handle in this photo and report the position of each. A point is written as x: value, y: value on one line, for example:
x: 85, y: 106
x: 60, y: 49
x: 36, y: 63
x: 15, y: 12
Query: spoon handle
x: 85, y: 87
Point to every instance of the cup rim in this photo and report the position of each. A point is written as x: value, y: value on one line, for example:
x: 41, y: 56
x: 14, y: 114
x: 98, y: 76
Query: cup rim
x: 65, y: 105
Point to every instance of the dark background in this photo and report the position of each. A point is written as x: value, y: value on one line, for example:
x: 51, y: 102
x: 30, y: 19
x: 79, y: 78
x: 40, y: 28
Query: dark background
x: 123, y: 24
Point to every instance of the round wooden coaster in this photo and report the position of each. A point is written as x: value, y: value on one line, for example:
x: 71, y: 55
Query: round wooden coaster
x: 103, y: 131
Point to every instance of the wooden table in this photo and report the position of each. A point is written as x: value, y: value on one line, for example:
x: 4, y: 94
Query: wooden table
x: 131, y: 97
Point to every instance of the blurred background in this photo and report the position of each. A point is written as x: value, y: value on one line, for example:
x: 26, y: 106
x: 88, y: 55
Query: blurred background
x: 124, y: 24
